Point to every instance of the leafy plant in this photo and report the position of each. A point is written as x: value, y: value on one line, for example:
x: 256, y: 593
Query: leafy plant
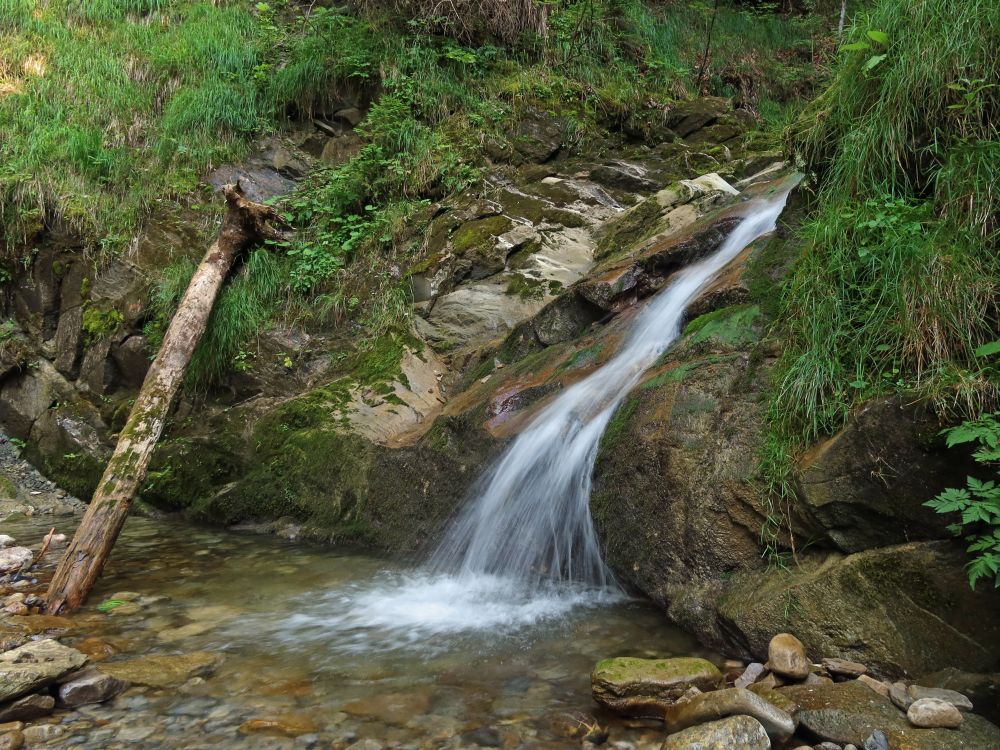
x: 978, y: 503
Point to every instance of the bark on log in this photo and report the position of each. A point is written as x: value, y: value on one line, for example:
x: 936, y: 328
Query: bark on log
x: 245, y: 223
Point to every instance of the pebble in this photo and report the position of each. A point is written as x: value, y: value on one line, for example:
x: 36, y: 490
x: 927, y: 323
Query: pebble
x: 876, y: 741
x: 787, y: 656
x: 931, y: 712
x: 750, y: 675
x: 42, y: 733
x: 13, y: 740
x: 844, y: 667
x: 877, y: 685
x: 900, y: 696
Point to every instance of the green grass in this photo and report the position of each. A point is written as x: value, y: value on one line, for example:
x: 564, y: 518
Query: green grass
x: 897, y: 281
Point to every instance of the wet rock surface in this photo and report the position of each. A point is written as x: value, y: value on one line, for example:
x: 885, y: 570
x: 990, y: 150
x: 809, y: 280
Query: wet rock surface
x: 34, y: 665
x: 730, y: 702
x: 732, y: 733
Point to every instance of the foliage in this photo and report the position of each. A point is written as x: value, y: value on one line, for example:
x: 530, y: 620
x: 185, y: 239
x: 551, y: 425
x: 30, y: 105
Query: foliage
x: 978, y: 503
x: 897, y: 279
x: 99, y: 323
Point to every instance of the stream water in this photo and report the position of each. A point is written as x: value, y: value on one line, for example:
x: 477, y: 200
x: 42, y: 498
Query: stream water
x: 285, y: 618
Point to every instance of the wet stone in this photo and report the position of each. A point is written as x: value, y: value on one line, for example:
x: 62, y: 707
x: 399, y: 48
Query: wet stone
x: 13, y: 740
x: 39, y: 734
x: 844, y: 668
x: 27, y: 708
x: 750, y: 675
x: 787, y: 656
x: 34, y: 665
x: 730, y: 702
x: 900, y: 696
x: 91, y: 687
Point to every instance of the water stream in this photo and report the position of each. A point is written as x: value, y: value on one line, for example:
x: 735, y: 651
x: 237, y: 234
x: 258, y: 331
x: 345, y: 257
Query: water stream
x: 490, y: 643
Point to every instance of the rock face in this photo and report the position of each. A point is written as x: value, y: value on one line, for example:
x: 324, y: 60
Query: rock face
x: 34, y: 665
x: 732, y: 733
x: 730, y: 702
x: 645, y: 687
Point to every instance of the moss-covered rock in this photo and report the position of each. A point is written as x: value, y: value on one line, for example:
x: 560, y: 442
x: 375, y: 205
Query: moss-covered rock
x: 644, y: 687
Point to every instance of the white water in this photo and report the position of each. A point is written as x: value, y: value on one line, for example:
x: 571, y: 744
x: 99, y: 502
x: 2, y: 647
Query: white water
x: 524, y: 549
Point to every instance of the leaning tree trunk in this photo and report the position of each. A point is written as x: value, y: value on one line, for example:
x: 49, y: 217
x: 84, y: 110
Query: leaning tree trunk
x: 245, y: 223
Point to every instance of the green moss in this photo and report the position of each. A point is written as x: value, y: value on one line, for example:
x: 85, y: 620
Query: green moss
x: 618, y: 425
x: 77, y: 473
x: 7, y: 488
x: 187, y: 471
x: 477, y: 234
x: 624, y: 232
x: 733, y: 326
x: 525, y: 287
x: 673, y: 375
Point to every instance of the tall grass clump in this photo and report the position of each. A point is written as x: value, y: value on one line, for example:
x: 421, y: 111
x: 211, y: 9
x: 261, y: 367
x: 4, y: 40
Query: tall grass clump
x: 897, y: 282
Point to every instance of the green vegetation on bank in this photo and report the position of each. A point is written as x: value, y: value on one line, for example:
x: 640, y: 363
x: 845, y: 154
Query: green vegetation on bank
x: 895, y: 288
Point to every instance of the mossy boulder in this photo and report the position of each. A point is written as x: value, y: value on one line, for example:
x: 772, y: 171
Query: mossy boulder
x: 644, y: 687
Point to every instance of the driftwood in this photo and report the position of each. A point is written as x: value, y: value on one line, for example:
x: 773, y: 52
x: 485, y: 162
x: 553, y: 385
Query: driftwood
x: 245, y: 223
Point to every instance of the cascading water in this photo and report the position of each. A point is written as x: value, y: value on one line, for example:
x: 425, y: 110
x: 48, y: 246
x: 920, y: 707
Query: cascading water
x: 524, y: 548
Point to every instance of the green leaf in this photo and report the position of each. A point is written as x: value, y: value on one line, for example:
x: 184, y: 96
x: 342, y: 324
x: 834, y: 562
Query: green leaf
x: 988, y: 349
x: 873, y: 61
x: 855, y: 47
x: 878, y: 36
x: 109, y: 605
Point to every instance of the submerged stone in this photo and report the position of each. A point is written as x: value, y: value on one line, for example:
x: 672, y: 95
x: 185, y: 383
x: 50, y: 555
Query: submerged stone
x: 35, y: 665
x: 644, y: 687
x: 163, y: 671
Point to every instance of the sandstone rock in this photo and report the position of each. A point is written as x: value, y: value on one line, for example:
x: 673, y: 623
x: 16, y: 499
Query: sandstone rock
x: 931, y: 712
x: 953, y: 697
x: 848, y: 712
x: 34, y: 665
x: 27, y: 708
x: 645, y: 686
x: 91, y: 687
x: 163, y: 671
x: 731, y: 733
x: 844, y: 668
x: 69, y: 332
x: 15, y: 558
x: 12, y: 740
x: 730, y: 702
x: 900, y: 696
x: 787, y: 656
x: 877, y: 685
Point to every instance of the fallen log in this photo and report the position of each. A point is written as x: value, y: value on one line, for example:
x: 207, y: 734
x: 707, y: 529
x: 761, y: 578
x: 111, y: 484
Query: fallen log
x: 245, y: 223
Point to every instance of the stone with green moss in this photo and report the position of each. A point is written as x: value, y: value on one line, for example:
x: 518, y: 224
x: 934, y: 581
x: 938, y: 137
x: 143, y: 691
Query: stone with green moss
x: 644, y: 687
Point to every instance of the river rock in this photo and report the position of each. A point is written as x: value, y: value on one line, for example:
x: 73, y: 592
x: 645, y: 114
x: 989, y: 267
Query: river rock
x: 844, y: 668
x: 13, y: 740
x: 849, y: 713
x: 643, y: 687
x: 750, y: 675
x: 731, y: 733
x: 787, y: 656
x: 163, y: 671
x: 876, y: 685
x: 931, y: 712
x: 15, y: 558
x: 27, y: 708
x: 730, y: 702
x: 91, y: 687
x: 983, y: 689
x: 34, y: 665
x: 876, y: 741
x: 6, y: 541
x: 953, y: 697
x: 287, y: 725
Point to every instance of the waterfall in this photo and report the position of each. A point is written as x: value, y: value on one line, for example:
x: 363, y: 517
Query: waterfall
x: 528, y: 518
x: 523, y: 550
